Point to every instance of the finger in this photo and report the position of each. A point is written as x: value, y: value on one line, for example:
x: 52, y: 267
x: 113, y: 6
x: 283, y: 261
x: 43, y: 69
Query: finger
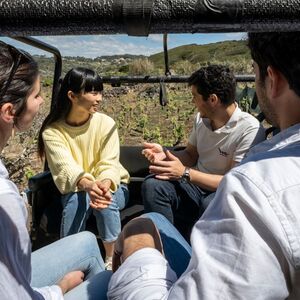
x: 147, y: 145
x: 163, y: 177
x: 158, y: 169
x: 108, y: 196
x: 98, y: 206
x: 101, y: 201
x: 96, y: 192
x: 162, y: 163
x: 170, y: 155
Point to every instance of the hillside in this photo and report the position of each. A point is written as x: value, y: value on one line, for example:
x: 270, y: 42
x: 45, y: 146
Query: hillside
x: 182, y: 60
x: 135, y: 108
x: 221, y: 51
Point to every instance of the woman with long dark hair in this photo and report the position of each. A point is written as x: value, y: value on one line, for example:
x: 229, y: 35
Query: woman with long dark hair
x: 57, y: 269
x: 82, y: 150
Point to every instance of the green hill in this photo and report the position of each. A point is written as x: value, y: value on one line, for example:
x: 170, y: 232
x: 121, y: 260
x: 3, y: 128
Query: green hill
x: 221, y: 51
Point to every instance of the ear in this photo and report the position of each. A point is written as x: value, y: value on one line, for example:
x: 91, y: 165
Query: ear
x: 7, y: 112
x: 213, y: 100
x: 276, y: 81
x: 71, y: 96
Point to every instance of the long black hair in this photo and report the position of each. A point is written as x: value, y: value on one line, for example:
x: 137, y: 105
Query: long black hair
x: 78, y: 80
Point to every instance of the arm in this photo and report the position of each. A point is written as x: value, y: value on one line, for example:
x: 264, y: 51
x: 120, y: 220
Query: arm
x: 155, y: 152
x: 172, y: 168
x: 109, y: 156
x: 65, y: 170
x: 233, y: 250
x: 15, y: 253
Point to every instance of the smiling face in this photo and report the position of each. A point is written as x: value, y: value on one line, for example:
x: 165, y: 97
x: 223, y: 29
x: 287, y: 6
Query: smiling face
x: 33, y: 103
x: 87, y: 102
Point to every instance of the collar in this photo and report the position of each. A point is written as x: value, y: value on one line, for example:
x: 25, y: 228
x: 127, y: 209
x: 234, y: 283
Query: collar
x: 231, y: 123
x: 281, y: 140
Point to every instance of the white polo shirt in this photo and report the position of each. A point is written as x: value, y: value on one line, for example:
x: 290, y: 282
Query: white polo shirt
x: 217, y: 149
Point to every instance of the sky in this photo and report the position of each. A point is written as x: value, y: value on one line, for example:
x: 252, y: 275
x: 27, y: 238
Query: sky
x: 92, y: 46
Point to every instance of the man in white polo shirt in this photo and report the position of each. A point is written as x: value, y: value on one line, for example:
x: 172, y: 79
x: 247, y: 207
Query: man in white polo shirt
x: 221, y: 136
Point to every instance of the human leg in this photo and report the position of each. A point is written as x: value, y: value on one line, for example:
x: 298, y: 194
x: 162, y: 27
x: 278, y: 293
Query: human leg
x: 160, y: 196
x: 75, y: 212
x: 177, y: 251
x: 109, y: 221
x: 75, y: 252
x: 191, y: 207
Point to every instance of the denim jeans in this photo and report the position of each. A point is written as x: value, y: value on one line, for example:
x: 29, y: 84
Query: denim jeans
x: 76, y: 210
x: 177, y: 251
x: 181, y: 203
x: 76, y: 252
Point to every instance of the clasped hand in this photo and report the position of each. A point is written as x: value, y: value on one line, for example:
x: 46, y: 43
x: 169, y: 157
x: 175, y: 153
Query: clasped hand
x: 164, y: 164
x: 100, y: 195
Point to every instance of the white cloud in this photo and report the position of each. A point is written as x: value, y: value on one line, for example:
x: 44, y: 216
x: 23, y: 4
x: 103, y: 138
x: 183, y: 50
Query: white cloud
x: 93, y: 46
x: 235, y: 35
x: 155, y: 38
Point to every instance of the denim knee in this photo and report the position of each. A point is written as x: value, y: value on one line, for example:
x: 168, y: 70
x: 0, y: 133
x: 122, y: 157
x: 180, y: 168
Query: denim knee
x: 108, y: 219
x: 156, y: 190
x: 75, y: 213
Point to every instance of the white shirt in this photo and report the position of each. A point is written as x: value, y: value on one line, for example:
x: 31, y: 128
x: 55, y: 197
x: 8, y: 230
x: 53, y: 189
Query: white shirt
x: 15, y: 247
x: 217, y: 149
x: 247, y: 243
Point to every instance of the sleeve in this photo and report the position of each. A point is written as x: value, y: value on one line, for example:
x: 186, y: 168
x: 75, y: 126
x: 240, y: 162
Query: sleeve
x: 144, y: 275
x: 15, y: 253
x: 64, y: 169
x: 193, y: 138
x: 234, y: 254
x: 250, y: 137
x: 50, y: 292
x: 108, y: 165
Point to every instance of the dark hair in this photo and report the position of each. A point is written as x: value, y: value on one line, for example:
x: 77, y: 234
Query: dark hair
x: 279, y: 50
x: 18, y: 74
x: 215, y: 79
x: 78, y: 80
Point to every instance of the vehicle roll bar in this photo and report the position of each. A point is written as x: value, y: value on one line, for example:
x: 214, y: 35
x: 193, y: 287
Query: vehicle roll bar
x: 142, y: 17
x: 48, y: 48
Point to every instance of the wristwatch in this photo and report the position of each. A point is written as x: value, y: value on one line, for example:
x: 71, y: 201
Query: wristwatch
x: 186, y: 175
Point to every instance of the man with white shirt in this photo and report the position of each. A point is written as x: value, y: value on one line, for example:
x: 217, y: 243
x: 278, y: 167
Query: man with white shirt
x: 222, y: 135
x: 247, y: 243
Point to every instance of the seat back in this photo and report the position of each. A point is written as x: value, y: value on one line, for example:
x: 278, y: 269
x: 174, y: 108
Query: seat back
x: 44, y: 196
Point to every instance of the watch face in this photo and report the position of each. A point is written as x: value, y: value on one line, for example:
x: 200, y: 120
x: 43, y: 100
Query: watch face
x: 186, y: 175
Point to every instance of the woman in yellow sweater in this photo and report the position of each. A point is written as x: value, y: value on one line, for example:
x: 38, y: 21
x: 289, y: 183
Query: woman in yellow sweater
x: 82, y: 150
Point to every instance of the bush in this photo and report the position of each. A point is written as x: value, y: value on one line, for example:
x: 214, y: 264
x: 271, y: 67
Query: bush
x: 141, y: 67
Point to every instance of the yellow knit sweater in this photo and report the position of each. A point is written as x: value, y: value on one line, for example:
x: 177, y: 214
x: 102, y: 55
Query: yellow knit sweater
x: 91, y: 150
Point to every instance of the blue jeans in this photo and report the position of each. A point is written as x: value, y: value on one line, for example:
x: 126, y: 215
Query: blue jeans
x: 181, y: 203
x: 177, y: 251
x: 76, y: 252
x: 76, y: 210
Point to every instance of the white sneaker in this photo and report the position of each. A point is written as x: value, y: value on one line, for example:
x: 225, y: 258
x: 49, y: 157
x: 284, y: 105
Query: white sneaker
x: 108, y: 263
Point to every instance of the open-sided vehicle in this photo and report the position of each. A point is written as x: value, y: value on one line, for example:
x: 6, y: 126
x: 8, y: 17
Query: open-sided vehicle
x: 138, y: 18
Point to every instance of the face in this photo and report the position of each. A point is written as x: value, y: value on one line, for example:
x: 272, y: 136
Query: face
x: 263, y: 99
x: 33, y: 104
x: 201, y: 105
x: 87, y: 102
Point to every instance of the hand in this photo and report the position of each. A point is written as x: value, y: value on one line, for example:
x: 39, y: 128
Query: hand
x: 70, y: 281
x: 137, y: 234
x: 103, y: 201
x: 170, y: 169
x: 153, y: 152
